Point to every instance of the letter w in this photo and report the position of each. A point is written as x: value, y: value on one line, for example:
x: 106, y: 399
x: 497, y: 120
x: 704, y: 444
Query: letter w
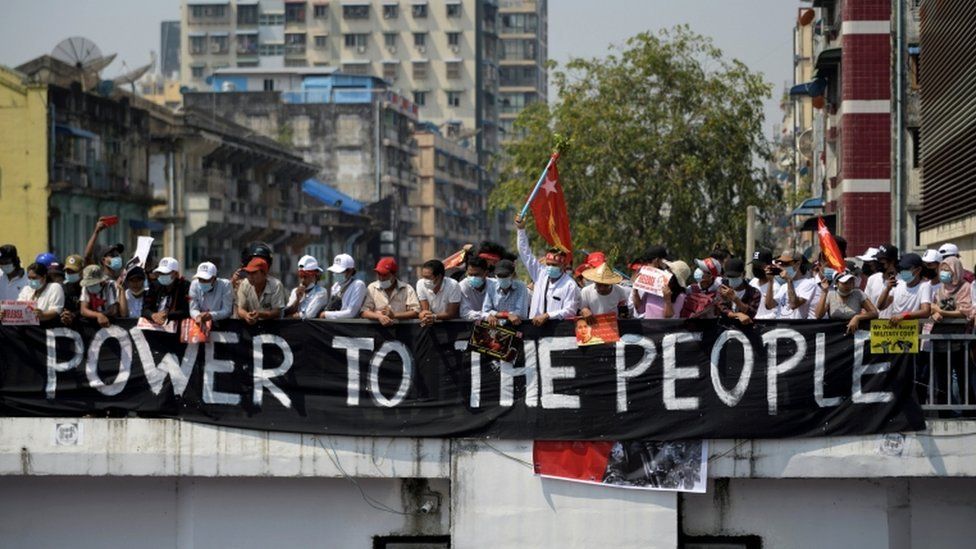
x: 169, y: 365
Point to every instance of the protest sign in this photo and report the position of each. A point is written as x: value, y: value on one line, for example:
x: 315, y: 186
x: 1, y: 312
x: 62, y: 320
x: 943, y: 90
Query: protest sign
x: 890, y: 338
x: 18, y: 313
x: 652, y: 280
x: 497, y: 342
x: 597, y: 330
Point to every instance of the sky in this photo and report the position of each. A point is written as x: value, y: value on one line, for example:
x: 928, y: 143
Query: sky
x: 757, y: 32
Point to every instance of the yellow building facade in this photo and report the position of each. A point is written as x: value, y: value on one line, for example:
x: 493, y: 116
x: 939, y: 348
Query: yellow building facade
x: 24, y: 148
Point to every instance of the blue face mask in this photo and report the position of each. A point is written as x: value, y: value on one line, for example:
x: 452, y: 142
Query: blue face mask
x: 35, y: 283
x: 71, y: 278
x: 7, y: 268
x: 476, y: 282
x: 504, y: 283
x: 906, y: 276
x: 165, y: 280
x: 115, y: 263
x: 699, y: 275
x: 791, y: 271
x: 734, y: 282
x: 945, y: 277
x: 780, y: 280
x: 829, y: 274
x: 554, y: 271
x: 206, y: 286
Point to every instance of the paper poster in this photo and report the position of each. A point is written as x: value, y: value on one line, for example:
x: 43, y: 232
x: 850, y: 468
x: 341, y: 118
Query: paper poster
x: 597, y: 330
x: 191, y: 332
x: 143, y: 247
x: 888, y: 338
x: 498, y: 342
x: 18, y: 313
x: 652, y: 280
x: 169, y: 327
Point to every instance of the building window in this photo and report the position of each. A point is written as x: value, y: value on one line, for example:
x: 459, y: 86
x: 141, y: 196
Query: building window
x: 320, y: 11
x: 273, y: 19
x: 321, y: 42
x: 268, y: 84
x: 454, y: 98
x: 208, y: 12
x: 247, y: 44
x: 295, y: 12
x: 198, y: 44
x: 361, y: 69
x: 390, y: 40
x: 390, y: 71
x: 454, y: 10
x: 391, y: 11
x: 295, y: 43
x: 453, y: 70
x: 247, y: 15
x: 218, y: 44
x: 355, y: 12
x: 419, y: 97
x: 196, y: 72
x: 420, y: 39
x: 420, y: 70
x: 453, y: 39
x: 357, y: 41
x: 419, y: 11
x: 520, y: 23
x: 271, y: 49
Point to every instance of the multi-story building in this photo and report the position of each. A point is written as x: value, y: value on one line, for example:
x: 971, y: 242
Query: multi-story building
x: 522, y: 59
x: 357, y: 131
x: 446, y: 198
x: 948, y: 128
x: 169, y: 49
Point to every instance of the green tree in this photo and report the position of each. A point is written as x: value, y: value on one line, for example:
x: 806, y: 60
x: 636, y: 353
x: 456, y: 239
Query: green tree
x: 665, y: 146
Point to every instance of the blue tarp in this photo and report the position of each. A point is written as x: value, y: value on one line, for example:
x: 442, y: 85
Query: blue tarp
x: 329, y: 195
x: 814, y: 88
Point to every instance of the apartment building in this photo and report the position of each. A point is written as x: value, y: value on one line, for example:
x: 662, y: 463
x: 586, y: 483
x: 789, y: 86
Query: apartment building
x: 523, y: 28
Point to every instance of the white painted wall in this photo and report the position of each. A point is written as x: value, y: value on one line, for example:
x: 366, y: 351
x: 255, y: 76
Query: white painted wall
x: 498, y: 503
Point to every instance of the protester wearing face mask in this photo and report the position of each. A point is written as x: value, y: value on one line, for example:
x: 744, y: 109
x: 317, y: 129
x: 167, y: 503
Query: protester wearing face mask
x: 952, y: 300
x: 506, y: 298
x: 47, y: 297
x: 556, y: 295
x: 211, y: 297
x: 13, y: 279
x: 886, y: 259
x: 738, y: 299
x: 761, y: 259
x: 132, y: 292
x: 953, y: 297
x: 110, y: 258
x: 869, y: 266
x: 389, y: 299
x: 671, y: 302
x: 792, y: 299
x: 99, y: 299
x: 348, y: 292
x: 604, y: 295
x: 951, y: 250
x: 439, y: 296
x: 845, y: 302
x: 702, y: 299
x: 73, y: 265
x: 474, y: 288
x: 308, y: 299
x: 168, y: 296
x: 931, y: 260
x: 907, y: 296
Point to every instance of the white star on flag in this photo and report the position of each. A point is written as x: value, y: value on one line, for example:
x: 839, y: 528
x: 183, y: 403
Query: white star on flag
x: 549, y: 185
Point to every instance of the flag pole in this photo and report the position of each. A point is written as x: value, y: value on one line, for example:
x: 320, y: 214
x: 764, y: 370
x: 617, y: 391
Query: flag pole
x: 535, y: 190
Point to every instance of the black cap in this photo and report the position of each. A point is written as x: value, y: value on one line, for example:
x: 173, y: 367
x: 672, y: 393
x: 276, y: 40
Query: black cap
x: 110, y: 248
x: 909, y: 261
x: 656, y: 252
x: 135, y: 272
x: 256, y: 249
x: 734, y: 267
x: 762, y: 256
x: 888, y: 251
x: 504, y: 268
x: 8, y: 251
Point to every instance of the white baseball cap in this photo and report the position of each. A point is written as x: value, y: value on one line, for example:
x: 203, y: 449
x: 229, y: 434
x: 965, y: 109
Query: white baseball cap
x: 167, y: 265
x: 949, y: 249
x: 206, y: 271
x: 931, y: 256
x: 309, y: 263
x: 844, y: 277
x: 870, y: 255
x: 342, y: 263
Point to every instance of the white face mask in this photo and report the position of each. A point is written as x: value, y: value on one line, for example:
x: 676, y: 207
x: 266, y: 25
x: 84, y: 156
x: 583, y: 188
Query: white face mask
x: 428, y: 284
x: 385, y: 284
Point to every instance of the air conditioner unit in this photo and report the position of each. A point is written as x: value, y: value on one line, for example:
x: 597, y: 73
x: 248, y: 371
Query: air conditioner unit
x: 391, y: 49
x: 422, y: 49
x: 361, y: 49
x: 455, y: 49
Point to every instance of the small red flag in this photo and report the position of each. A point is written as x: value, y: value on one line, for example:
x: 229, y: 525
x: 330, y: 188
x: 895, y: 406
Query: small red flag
x: 551, y: 215
x: 828, y: 246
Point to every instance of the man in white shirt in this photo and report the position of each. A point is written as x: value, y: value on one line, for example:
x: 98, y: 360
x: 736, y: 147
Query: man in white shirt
x: 439, y: 296
x: 605, y: 295
x: 474, y: 289
x: 761, y: 259
x: 909, y: 297
x: 556, y: 295
x: 886, y: 257
x: 211, y: 298
x: 13, y: 279
x: 308, y: 299
x: 793, y: 299
x: 348, y: 292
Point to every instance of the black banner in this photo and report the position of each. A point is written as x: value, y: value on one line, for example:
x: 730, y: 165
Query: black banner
x: 665, y: 380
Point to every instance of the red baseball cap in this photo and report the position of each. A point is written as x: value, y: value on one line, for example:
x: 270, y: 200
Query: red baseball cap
x: 257, y: 264
x: 386, y: 265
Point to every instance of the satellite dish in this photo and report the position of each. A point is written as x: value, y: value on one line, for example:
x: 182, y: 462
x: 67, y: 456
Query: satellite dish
x: 77, y: 51
x: 805, y: 144
x: 133, y: 75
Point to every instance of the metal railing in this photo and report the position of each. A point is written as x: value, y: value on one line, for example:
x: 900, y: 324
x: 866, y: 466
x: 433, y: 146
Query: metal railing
x: 945, y: 373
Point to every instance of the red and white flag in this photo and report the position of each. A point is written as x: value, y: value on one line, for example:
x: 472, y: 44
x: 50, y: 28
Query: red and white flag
x: 549, y: 210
